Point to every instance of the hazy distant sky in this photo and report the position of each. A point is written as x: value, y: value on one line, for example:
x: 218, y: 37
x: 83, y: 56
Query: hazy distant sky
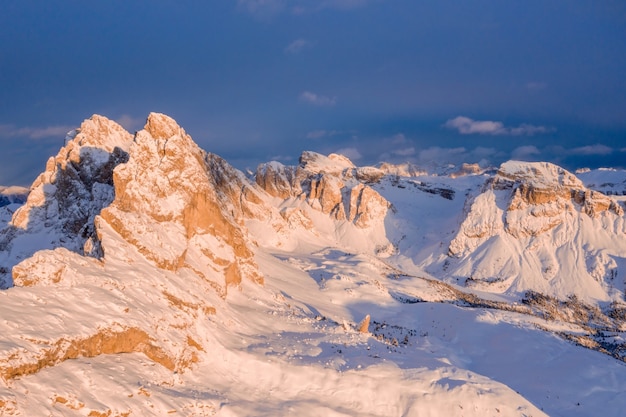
x: 431, y: 81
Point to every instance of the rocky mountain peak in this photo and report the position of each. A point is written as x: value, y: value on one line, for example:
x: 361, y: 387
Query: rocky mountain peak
x: 467, y: 169
x: 173, y: 202
x: 314, y: 162
x: 161, y: 126
x: 538, y: 175
x: 543, y: 183
x: 331, y: 184
x: 64, y: 199
x: 101, y: 132
x: 530, y: 209
x: 158, y: 192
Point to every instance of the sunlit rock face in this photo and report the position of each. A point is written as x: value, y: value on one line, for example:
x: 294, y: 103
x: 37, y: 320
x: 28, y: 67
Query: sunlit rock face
x: 181, y: 207
x: 331, y: 184
x: 77, y: 183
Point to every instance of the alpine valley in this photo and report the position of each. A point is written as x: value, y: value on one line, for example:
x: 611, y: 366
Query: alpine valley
x: 144, y: 276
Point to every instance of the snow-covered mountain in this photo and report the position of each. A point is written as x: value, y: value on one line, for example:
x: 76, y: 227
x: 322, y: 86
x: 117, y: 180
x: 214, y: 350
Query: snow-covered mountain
x: 535, y: 226
x: 145, y: 276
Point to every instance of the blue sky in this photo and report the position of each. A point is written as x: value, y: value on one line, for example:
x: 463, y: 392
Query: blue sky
x: 254, y: 80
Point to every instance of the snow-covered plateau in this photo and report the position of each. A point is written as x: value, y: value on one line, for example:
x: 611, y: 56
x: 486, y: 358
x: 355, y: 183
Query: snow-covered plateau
x: 144, y: 276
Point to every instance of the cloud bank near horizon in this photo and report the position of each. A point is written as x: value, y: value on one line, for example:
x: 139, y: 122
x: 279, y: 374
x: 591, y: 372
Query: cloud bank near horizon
x: 467, y: 126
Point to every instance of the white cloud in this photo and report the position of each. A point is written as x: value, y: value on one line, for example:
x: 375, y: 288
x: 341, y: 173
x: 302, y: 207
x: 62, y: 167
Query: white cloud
x: 398, y: 139
x: 286, y: 158
x: 525, y: 152
x: 344, y: 4
x: 317, y: 100
x: 397, y: 145
x: 297, y: 46
x: 404, y: 152
x: 466, y: 126
x: 316, y: 134
x: 351, y: 153
x: 268, y: 8
x: 597, y: 149
x: 535, y: 86
x: 130, y: 123
x: 440, y: 155
x: 261, y: 8
x: 528, y: 130
x: 10, y: 131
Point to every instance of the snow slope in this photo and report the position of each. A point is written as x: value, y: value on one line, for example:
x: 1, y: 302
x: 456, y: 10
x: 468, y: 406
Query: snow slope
x: 317, y: 289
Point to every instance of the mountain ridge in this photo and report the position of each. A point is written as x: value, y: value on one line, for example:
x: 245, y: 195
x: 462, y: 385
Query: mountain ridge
x: 145, y: 247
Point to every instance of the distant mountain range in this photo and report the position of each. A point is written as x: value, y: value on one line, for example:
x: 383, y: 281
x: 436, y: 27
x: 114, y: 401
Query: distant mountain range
x: 142, y: 275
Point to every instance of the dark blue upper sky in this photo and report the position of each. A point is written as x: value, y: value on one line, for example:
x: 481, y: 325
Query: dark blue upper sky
x: 255, y: 80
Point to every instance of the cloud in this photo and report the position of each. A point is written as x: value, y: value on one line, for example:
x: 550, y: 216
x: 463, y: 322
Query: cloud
x: 317, y: 100
x: 404, y: 152
x: 466, y: 126
x: 398, y: 139
x: 525, y: 152
x: 130, y: 123
x: 397, y: 147
x: 597, y: 149
x: 440, y: 155
x: 286, y: 158
x: 351, y: 153
x: 316, y: 134
x: 261, y: 8
x: 297, y: 46
x: 268, y: 8
x: 535, y: 86
x: 343, y: 4
x: 528, y: 130
x: 10, y: 131
x: 436, y: 156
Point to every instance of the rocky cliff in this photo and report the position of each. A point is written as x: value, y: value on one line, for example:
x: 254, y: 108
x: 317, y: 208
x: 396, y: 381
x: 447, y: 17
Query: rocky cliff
x: 331, y: 184
x: 64, y: 199
x: 181, y: 207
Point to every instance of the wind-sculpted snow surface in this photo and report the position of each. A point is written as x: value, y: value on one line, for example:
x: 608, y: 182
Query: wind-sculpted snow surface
x: 152, y: 278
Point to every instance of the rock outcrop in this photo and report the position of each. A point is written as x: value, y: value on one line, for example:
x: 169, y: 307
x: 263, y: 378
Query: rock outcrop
x: 181, y: 207
x: 467, y: 169
x: 64, y: 199
x: 331, y: 184
x: 527, y: 200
